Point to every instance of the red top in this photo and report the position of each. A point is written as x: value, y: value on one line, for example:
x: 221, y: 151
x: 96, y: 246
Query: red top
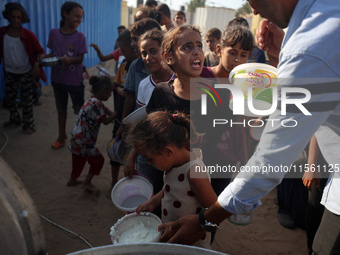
x: 31, y: 43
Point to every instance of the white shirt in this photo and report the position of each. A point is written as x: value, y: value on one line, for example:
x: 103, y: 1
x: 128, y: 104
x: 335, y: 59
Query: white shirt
x: 146, y: 87
x: 310, y: 55
x: 16, y: 58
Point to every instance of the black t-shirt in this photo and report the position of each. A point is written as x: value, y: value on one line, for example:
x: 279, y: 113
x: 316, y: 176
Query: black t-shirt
x: 164, y: 98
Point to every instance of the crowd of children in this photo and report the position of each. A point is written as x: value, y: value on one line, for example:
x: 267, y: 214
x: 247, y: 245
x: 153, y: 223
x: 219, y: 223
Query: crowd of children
x: 157, y: 73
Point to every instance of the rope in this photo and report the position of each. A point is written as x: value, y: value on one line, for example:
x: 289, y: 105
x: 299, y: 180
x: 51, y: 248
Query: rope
x: 69, y: 231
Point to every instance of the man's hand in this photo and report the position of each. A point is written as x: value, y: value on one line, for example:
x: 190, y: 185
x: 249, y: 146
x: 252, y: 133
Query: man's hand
x: 269, y: 37
x: 185, y: 230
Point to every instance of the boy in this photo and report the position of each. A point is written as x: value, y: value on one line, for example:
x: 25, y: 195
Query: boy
x: 212, y: 38
x: 179, y: 18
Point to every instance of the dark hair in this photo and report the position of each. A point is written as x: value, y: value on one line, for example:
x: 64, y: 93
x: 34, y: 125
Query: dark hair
x: 150, y: 3
x: 214, y: 32
x: 99, y: 82
x: 15, y: 7
x: 170, y: 37
x: 150, y: 13
x: 239, y: 21
x: 141, y: 26
x: 153, y: 34
x: 121, y: 27
x: 160, y: 129
x: 180, y: 13
x: 125, y: 37
x: 237, y: 33
x: 68, y: 7
x: 165, y: 10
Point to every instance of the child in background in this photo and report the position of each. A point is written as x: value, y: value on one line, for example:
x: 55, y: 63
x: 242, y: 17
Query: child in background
x: 179, y: 18
x: 150, y: 50
x: 124, y: 41
x: 67, y: 78
x: 137, y: 71
x: 212, y: 38
x: 163, y: 138
x: 85, y: 132
x: 256, y: 55
x: 166, y: 21
x: 234, y: 49
x: 20, y: 50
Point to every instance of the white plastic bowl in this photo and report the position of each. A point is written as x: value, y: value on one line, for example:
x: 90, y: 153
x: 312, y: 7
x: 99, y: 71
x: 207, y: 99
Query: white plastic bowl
x: 136, y: 116
x: 118, y: 151
x: 133, y: 228
x: 128, y: 194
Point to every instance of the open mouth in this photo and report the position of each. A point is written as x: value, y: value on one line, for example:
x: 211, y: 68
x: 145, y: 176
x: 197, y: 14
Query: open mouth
x: 196, y: 63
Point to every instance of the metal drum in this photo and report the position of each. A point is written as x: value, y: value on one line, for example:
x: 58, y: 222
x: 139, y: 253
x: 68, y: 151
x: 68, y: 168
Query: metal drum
x: 21, y: 231
x: 147, y: 248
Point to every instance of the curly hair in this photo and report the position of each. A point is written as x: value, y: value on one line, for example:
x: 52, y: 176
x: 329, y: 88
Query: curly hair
x: 160, y: 129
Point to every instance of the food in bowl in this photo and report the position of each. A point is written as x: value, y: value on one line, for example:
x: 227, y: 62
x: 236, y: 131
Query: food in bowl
x: 133, y: 228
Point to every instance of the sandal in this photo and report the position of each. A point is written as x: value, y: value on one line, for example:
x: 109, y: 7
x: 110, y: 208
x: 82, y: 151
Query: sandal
x: 57, y: 145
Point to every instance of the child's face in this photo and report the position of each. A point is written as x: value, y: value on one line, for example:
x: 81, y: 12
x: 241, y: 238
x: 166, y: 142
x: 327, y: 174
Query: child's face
x: 127, y: 51
x: 134, y: 43
x: 105, y: 93
x: 230, y: 57
x: 211, y: 43
x: 73, y: 19
x: 179, y: 20
x: 15, y: 19
x: 150, y: 51
x: 187, y: 56
x: 160, y: 161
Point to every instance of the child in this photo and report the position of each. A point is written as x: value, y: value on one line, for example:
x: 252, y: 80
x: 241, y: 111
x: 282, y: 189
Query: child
x: 150, y: 50
x: 67, y: 78
x: 236, y: 44
x: 212, y: 38
x: 165, y: 22
x: 179, y: 18
x: 137, y: 70
x: 20, y: 49
x: 85, y: 132
x: 163, y: 138
x: 124, y: 41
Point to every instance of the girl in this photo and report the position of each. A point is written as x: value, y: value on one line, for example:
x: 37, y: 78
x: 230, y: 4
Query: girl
x: 20, y: 49
x: 85, y: 132
x: 70, y: 46
x: 182, y: 51
x: 163, y: 139
x: 150, y: 50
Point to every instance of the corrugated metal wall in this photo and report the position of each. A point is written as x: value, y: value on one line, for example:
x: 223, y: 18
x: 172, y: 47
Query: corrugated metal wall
x: 100, y: 22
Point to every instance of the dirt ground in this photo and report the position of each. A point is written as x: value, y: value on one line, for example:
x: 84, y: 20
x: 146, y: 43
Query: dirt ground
x: 45, y: 173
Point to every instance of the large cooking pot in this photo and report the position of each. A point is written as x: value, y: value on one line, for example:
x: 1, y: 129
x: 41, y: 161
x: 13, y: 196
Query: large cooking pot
x: 147, y: 248
x: 21, y: 231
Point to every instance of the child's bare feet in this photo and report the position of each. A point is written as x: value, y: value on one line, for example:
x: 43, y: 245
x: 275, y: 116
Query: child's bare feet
x: 73, y: 182
x: 90, y: 187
